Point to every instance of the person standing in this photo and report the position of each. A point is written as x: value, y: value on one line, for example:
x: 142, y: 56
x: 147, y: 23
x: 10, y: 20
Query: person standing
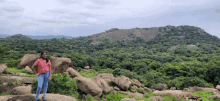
x: 44, y: 74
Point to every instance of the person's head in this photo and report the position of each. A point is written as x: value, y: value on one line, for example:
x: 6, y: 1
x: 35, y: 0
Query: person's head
x: 44, y: 56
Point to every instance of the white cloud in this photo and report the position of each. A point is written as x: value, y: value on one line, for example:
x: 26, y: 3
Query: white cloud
x: 55, y: 15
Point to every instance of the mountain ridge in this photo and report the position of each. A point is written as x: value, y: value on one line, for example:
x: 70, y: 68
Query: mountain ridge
x: 115, y: 34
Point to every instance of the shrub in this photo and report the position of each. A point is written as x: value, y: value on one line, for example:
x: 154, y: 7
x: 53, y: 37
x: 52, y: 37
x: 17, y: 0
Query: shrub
x: 149, y: 95
x: 138, y: 90
x: 89, y: 98
x: 157, y: 87
x: 61, y: 84
x: 90, y: 74
x: 185, y: 82
x: 12, y: 62
x: 127, y: 73
x: 112, y: 84
x: 108, y: 70
x: 113, y: 97
x: 204, y: 95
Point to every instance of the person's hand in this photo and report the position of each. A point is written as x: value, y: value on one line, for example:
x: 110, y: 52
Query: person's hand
x: 49, y: 78
x: 37, y: 74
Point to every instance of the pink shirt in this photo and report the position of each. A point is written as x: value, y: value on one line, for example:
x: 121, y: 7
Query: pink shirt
x: 43, y: 67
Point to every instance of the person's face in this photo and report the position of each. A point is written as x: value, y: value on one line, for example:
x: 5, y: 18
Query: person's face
x: 44, y: 55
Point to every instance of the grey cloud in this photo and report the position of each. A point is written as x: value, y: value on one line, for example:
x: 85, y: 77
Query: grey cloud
x: 13, y: 17
x: 95, y: 7
x: 86, y: 14
x: 12, y: 9
x: 53, y: 21
x: 66, y: 2
x: 57, y: 11
x: 105, y: 2
x: 209, y: 13
x: 2, y: 1
x: 79, y: 15
x: 217, y: 10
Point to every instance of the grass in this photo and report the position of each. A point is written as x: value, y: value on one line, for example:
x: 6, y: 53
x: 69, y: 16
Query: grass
x: 205, y: 95
x: 5, y: 94
x: 90, y: 74
x: 16, y: 71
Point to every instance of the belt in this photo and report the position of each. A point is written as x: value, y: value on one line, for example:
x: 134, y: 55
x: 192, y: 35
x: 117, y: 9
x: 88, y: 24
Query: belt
x: 43, y: 73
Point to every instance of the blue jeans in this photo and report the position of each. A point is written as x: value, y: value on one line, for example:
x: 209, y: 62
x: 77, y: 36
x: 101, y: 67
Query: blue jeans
x: 40, y: 83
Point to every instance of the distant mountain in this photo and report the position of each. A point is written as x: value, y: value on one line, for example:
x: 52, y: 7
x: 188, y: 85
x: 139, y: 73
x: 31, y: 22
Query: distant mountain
x: 146, y: 34
x: 18, y: 36
x: 50, y: 37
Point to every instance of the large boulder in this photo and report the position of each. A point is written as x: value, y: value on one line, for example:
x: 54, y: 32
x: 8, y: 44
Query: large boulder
x: 28, y: 60
x: 148, y: 89
x: 131, y: 93
x: 106, y: 76
x: 195, y: 89
x: 3, y: 67
x: 28, y: 70
x: 218, y: 87
x: 123, y: 82
x: 59, y: 64
x: 31, y: 97
x: 116, y: 88
x: 215, y: 91
x: 142, y: 89
x: 136, y: 83
x: 216, y: 96
x: 155, y: 98
x: 102, y: 84
x: 21, y: 90
x: 175, y: 93
x: 89, y: 86
x: 73, y: 73
x: 185, y: 94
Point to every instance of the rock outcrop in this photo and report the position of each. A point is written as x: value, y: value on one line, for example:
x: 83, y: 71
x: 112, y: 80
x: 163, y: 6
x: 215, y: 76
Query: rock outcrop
x: 89, y: 86
x: 102, y: 84
x: 59, y: 64
x: 123, y: 82
x: 3, y: 67
x: 106, y: 76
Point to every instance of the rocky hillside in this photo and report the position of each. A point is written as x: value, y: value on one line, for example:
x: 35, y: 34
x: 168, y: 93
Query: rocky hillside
x: 146, y: 34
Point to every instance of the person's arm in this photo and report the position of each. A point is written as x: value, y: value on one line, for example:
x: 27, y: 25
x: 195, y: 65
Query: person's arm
x: 34, y: 68
x: 50, y: 71
x: 36, y: 63
x: 50, y: 68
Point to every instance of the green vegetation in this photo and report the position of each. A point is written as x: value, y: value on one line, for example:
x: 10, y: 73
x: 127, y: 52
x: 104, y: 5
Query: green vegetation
x: 150, y: 62
x: 138, y: 90
x: 90, y: 74
x: 61, y: 84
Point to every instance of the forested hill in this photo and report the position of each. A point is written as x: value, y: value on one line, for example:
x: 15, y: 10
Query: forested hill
x: 178, y: 56
x: 147, y: 34
x: 17, y: 37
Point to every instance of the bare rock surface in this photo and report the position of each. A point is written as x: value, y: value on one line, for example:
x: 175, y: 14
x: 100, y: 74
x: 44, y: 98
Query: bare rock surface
x: 31, y: 97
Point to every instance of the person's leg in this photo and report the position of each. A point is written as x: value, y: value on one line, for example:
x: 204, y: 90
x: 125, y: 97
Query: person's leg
x: 40, y: 83
x: 46, y: 76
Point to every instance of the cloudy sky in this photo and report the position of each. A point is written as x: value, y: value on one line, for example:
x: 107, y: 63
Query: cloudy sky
x: 86, y: 17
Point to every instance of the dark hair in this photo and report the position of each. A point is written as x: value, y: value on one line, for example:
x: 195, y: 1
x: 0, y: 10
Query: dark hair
x: 42, y: 54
